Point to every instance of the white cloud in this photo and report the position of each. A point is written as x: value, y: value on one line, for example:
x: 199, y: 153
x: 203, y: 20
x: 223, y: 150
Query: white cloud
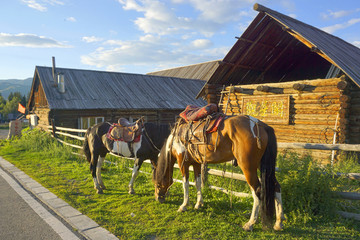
x: 356, y: 43
x: 41, y: 5
x: 70, y: 19
x: 201, y: 43
x: 29, y: 40
x: 149, y: 50
x: 221, y: 11
x: 170, y: 37
x: 338, y: 14
x: 333, y: 28
x: 91, y: 39
x: 212, y: 15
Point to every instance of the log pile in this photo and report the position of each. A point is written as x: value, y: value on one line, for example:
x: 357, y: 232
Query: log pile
x: 316, y: 112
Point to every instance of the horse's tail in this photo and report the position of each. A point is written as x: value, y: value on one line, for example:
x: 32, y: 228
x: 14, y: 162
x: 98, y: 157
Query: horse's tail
x: 268, y: 179
x: 86, y: 148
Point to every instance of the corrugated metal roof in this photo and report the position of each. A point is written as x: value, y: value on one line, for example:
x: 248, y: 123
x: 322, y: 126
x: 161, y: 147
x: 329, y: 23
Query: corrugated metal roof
x: 202, y: 71
x: 88, y: 89
x: 278, y: 48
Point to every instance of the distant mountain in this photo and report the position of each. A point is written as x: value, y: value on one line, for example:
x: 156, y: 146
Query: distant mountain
x: 15, y: 85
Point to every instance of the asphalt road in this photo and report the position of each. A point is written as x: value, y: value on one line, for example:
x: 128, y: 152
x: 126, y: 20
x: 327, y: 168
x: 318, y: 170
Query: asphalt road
x: 18, y: 220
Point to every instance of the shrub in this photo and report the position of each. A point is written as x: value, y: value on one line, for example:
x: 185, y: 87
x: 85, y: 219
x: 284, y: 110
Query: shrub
x: 306, y: 188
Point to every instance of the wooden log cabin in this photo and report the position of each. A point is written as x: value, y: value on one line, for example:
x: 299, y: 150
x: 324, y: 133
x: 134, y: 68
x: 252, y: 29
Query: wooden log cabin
x: 78, y: 98
x: 299, y: 79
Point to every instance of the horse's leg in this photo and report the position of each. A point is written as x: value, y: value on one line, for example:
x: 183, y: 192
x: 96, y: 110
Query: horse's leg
x: 197, y: 175
x: 185, y: 173
x: 134, y: 174
x: 279, y: 208
x: 253, y: 181
x: 98, y: 172
x: 93, y: 169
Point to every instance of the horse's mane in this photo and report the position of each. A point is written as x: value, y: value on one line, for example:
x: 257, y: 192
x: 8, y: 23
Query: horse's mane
x: 163, y: 162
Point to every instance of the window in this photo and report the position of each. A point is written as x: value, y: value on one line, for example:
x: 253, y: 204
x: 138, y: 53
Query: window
x: 86, y: 122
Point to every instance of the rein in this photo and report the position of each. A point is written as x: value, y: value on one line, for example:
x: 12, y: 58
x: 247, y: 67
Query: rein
x: 150, y: 140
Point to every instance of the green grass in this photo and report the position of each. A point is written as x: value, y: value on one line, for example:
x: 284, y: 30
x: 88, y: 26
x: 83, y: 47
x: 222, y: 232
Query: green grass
x: 308, y: 205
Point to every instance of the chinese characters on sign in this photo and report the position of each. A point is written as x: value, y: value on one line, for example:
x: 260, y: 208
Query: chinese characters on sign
x: 270, y: 109
x: 14, y: 129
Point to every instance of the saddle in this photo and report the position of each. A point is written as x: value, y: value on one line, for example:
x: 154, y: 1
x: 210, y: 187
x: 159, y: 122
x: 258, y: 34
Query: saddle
x: 126, y: 131
x: 199, y: 122
x: 195, y: 113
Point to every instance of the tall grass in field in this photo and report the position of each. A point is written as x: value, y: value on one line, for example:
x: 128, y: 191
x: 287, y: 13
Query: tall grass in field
x: 307, y: 189
x: 42, y: 142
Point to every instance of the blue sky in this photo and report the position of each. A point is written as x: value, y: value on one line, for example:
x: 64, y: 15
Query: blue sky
x: 140, y: 36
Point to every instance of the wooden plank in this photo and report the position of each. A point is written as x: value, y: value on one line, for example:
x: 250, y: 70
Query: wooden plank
x: 237, y: 194
x: 68, y: 144
x: 70, y: 135
x: 349, y: 215
x: 70, y: 129
x: 236, y: 176
x: 348, y: 195
x: 343, y: 147
x: 353, y: 176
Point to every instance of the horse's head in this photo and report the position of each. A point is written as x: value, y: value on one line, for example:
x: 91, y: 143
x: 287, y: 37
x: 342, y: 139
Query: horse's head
x: 162, y: 175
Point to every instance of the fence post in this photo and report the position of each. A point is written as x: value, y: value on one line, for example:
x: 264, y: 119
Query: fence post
x: 204, y: 174
x: 53, y: 128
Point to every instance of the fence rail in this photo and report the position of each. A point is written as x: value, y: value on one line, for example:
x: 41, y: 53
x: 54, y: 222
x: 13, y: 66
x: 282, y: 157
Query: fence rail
x: 318, y: 146
x: 237, y: 176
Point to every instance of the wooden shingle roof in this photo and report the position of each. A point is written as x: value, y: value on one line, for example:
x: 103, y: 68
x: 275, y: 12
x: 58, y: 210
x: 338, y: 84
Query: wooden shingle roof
x: 278, y: 48
x: 202, y: 71
x: 88, y: 89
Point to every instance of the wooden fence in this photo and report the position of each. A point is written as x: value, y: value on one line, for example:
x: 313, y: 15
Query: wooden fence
x: 236, y: 176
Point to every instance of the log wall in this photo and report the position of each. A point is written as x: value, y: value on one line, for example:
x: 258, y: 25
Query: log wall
x: 70, y: 118
x: 307, y: 111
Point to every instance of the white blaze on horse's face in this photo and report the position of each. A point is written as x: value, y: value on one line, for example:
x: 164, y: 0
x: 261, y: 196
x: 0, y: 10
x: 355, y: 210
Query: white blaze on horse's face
x: 253, y: 121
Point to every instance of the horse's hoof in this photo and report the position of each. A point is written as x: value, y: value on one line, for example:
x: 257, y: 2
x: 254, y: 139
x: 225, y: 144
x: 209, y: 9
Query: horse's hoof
x: 248, y: 227
x: 278, y: 226
x: 182, y: 209
x: 199, y: 205
x: 103, y: 187
x: 131, y: 191
x: 99, y: 191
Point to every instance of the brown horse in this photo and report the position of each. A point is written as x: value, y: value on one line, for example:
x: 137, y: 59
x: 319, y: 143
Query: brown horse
x: 251, y: 142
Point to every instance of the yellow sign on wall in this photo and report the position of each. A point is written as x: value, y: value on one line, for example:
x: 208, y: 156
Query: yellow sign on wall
x: 270, y: 109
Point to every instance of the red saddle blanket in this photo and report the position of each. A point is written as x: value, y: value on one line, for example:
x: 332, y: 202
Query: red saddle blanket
x: 195, y: 113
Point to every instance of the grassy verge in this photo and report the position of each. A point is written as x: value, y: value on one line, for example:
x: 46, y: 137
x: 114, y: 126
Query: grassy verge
x: 309, y: 206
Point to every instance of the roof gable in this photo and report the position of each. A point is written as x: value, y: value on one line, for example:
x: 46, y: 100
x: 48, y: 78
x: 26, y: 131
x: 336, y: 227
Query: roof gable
x: 335, y: 50
x: 278, y: 48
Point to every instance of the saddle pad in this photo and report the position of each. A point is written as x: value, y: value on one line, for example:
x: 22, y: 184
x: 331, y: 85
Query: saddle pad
x: 123, y: 137
x: 214, y: 126
x: 195, y: 113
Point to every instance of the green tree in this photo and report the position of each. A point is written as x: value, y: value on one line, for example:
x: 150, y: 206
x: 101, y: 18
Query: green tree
x: 11, y: 106
x: 2, y: 105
